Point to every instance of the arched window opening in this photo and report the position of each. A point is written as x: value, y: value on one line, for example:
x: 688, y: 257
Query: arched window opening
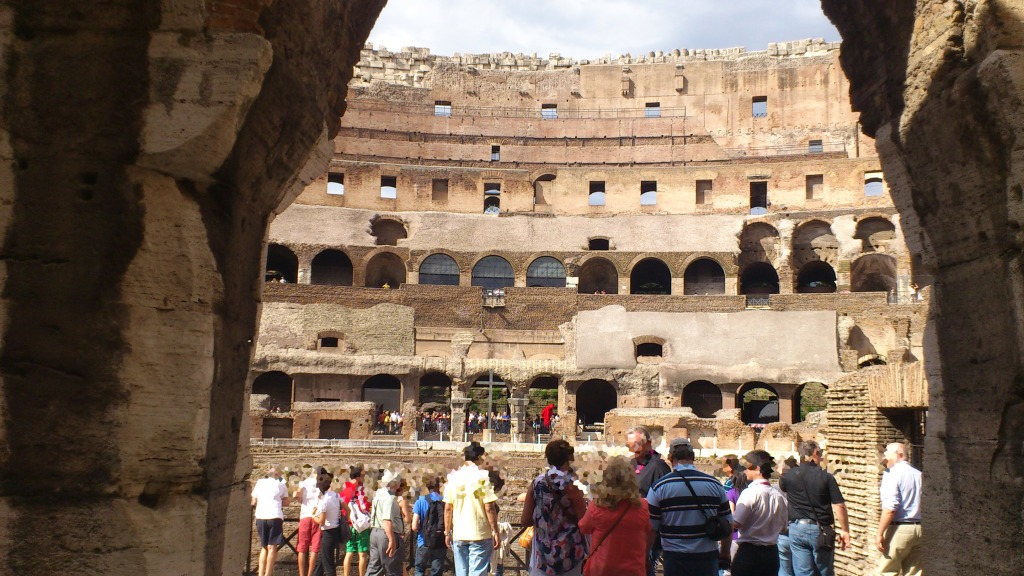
x: 439, y: 270
x: 478, y: 418
x: 493, y: 272
x: 704, y: 276
x: 331, y: 267
x: 598, y: 244
x: 810, y: 397
x: 873, y: 273
x: 875, y: 234
x: 492, y: 205
x: 759, y: 278
x: 542, y: 187
x: 385, y: 391
x: 387, y: 232
x: 385, y: 270
x: 649, y: 352
x: 594, y: 399
x: 650, y: 276
x: 703, y: 397
x: 546, y: 272
x: 813, y: 242
x: 282, y: 265
x: 276, y: 385
x: 870, y: 360
x: 542, y: 403
x: 816, y: 278
x: 598, y: 276
x: 759, y: 242
x: 759, y: 403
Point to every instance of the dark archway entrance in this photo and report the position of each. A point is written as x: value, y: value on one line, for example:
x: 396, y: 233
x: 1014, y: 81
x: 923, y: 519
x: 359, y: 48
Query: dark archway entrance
x: 434, y: 405
x: 594, y: 398
x: 499, y: 419
x: 331, y: 267
x: 809, y: 397
x: 278, y: 386
x: 384, y: 390
x: 759, y: 278
x: 704, y: 276
x: 758, y: 403
x: 385, y: 270
x: 543, y: 392
x: 598, y: 276
x: 873, y: 273
x: 282, y: 264
x: 816, y: 277
x: 703, y: 397
x: 650, y: 276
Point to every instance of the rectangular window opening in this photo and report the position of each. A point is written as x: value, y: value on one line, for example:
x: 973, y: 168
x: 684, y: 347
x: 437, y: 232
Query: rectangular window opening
x: 328, y: 342
x: 759, y: 107
x: 389, y: 187
x: 873, y: 185
x: 596, y: 193
x: 439, y: 190
x: 759, y: 198
x: 599, y: 244
x: 815, y: 186
x: 652, y: 110
x: 549, y: 111
x: 495, y: 153
x: 442, y: 108
x: 815, y: 146
x: 336, y: 183
x: 648, y: 193
x: 703, y: 192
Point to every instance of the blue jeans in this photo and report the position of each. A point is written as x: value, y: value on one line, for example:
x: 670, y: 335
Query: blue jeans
x: 785, y: 556
x: 473, y: 558
x: 679, y: 564
x: 434, y: 557
x: 808, y: 559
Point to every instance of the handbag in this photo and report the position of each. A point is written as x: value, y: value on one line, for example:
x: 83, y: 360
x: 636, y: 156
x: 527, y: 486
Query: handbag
x: 826, y: 532
x: 715, y: 526
x: 526, y: 538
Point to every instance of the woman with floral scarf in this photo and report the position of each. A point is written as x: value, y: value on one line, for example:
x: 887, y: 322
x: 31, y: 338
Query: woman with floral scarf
x: 554, y: 506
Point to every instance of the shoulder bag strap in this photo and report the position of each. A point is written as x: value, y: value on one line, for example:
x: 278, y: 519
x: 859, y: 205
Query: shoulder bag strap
x: 699, y: 505
x: 609, y: 533
x: 814, y: 510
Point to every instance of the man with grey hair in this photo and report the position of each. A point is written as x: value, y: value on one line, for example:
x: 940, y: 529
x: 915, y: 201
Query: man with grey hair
x: 899, y: 528
x: 649, y: 467
x: 681, y: 505
x: 269, y: 496
x: 386, y: 529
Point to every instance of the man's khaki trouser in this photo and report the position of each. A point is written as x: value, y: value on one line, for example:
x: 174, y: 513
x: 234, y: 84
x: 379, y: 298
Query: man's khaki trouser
x: 903, y: 552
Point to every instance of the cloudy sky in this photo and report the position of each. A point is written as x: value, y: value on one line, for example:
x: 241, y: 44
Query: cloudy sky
x: 593, y: 28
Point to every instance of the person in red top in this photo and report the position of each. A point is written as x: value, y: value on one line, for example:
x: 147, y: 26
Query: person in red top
x: 619, y: 524
x: 357, y: 505
x: 545, y: 415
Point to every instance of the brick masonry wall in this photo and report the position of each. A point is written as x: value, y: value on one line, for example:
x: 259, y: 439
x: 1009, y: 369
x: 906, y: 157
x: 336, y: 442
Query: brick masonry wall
x: 857, y: 435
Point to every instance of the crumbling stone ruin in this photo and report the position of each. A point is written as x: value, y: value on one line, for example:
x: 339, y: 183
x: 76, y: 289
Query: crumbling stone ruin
x: 137, y: 204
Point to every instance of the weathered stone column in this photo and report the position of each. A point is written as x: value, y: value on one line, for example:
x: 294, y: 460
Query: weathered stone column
x: 786, y: 394
x: 729, y: 395
x: 517, y: 411
x: 459, y: 404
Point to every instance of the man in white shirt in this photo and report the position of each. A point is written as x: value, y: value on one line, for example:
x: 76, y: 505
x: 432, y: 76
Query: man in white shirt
x: 309, y: 532
x: 899, y: 527
x: 760, y: 516
x: 269, y: 496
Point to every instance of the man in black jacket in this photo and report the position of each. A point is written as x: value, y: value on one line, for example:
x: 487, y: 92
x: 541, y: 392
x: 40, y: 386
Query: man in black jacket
x: 650, y: 467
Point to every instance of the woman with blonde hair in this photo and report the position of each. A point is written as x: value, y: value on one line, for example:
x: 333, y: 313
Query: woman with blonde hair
x: 620, y: 515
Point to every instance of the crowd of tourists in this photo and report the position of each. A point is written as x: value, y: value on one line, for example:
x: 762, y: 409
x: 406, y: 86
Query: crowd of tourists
x: 640, y: 512
x: 387, y: 422
x: 477, y: 421
x: 433, y: 422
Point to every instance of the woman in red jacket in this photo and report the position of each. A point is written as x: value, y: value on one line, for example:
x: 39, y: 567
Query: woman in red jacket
x: 618, y: 524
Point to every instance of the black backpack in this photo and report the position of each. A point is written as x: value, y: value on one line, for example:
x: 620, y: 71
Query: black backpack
x: 433, y: 525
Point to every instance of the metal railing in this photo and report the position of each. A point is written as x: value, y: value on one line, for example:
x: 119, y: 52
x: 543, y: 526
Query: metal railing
x: 372, y: 105
x: 788, y: 150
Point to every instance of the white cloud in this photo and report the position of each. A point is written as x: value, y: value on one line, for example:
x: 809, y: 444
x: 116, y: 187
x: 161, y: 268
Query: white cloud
x: 589, y: 29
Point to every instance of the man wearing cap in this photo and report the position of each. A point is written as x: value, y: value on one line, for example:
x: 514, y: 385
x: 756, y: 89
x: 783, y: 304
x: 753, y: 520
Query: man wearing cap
x: 815, y: 504
x: 269, y: 496
x: 386, y: 529
x: 470, y: 515
x: 680, y: 504
x: 760, y: 516
x: 899, y: 528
